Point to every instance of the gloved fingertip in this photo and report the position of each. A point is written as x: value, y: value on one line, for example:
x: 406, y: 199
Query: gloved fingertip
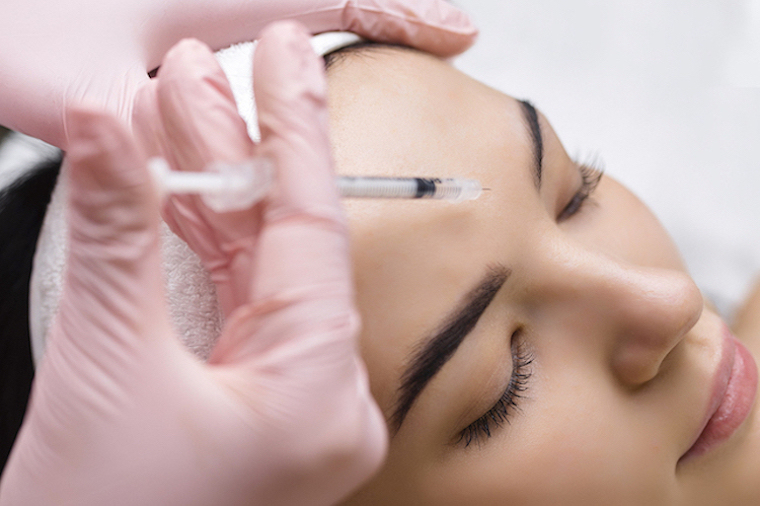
x: 435, y: 26
x: 291, y: 79
x: 456, y: 20
x: 198, y: 111
x: 189, y: 54
x: 190, y: 75
x: 287, y: 30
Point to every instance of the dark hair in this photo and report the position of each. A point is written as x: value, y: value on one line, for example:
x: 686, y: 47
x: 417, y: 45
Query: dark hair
x: 22, y: 210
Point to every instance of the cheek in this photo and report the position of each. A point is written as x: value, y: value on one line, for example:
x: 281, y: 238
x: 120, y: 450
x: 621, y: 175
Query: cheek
x: 577, y: 443
x: 617, y: 223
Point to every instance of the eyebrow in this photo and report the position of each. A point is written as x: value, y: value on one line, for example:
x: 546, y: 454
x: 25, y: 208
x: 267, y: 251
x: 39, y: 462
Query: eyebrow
x: 530, y: 115
x: 435, y: 351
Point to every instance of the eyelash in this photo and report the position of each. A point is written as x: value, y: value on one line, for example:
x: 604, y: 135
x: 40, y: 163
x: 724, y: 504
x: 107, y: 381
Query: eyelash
x: 591, y: 175
x: 483, y: 427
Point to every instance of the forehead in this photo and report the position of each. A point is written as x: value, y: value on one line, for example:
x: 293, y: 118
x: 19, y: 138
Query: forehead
x: 401, y: 113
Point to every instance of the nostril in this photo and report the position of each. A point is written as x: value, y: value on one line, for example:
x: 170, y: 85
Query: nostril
x: 659, y: 315
x: 637, y: 365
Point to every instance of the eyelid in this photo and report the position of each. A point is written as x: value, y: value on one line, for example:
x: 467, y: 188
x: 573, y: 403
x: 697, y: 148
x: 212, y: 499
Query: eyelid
x: 591, y: 174
x: 505, y: 407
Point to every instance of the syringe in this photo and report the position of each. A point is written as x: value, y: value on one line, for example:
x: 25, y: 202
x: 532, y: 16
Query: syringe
x: 233, y: 187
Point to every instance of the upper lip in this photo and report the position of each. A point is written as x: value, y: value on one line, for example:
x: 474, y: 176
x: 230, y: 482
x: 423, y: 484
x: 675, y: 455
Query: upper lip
x: 720, y: 383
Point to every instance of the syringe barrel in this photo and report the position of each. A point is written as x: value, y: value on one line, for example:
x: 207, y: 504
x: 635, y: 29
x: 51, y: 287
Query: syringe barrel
x: 377, y: 187
x: 452, y: 189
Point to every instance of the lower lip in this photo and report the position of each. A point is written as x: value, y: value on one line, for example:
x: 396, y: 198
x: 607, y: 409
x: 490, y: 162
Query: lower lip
x: 734, y: 399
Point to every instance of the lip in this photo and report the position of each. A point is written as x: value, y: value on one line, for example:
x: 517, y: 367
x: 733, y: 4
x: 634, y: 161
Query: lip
x: 733, y: 392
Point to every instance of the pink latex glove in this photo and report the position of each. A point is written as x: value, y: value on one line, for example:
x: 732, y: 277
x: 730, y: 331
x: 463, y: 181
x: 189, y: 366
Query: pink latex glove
x: 189, y: 117
x: 58, y: 53
x: 122, y: 414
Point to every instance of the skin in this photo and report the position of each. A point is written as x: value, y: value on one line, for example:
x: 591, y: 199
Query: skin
x: 624, y: 347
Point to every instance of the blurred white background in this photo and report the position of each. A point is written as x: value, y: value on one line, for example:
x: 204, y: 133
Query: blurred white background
x: 666, y: 92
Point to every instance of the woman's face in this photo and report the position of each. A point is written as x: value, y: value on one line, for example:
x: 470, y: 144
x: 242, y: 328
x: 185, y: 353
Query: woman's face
x: 531, y: 346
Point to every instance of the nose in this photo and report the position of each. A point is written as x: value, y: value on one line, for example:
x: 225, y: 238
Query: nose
x: 636, y: 314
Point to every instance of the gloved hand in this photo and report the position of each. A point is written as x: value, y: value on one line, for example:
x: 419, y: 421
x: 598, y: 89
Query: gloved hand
x: 190, y: 118
x: 121, y: 413
x: 58, y: 53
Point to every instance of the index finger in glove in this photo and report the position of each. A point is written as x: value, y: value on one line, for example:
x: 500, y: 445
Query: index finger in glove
x: 199, y: 125
x: 301, y: 281
x: 202, y: 126
x: 303, y: 242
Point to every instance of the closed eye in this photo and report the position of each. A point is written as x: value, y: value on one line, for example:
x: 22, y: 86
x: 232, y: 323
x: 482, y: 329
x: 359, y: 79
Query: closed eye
x: 591, y: 174
x: 501, y: 412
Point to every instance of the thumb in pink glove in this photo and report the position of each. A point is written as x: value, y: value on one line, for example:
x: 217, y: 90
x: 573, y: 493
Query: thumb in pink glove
x: 58, y: 53
x: 122, y: 414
